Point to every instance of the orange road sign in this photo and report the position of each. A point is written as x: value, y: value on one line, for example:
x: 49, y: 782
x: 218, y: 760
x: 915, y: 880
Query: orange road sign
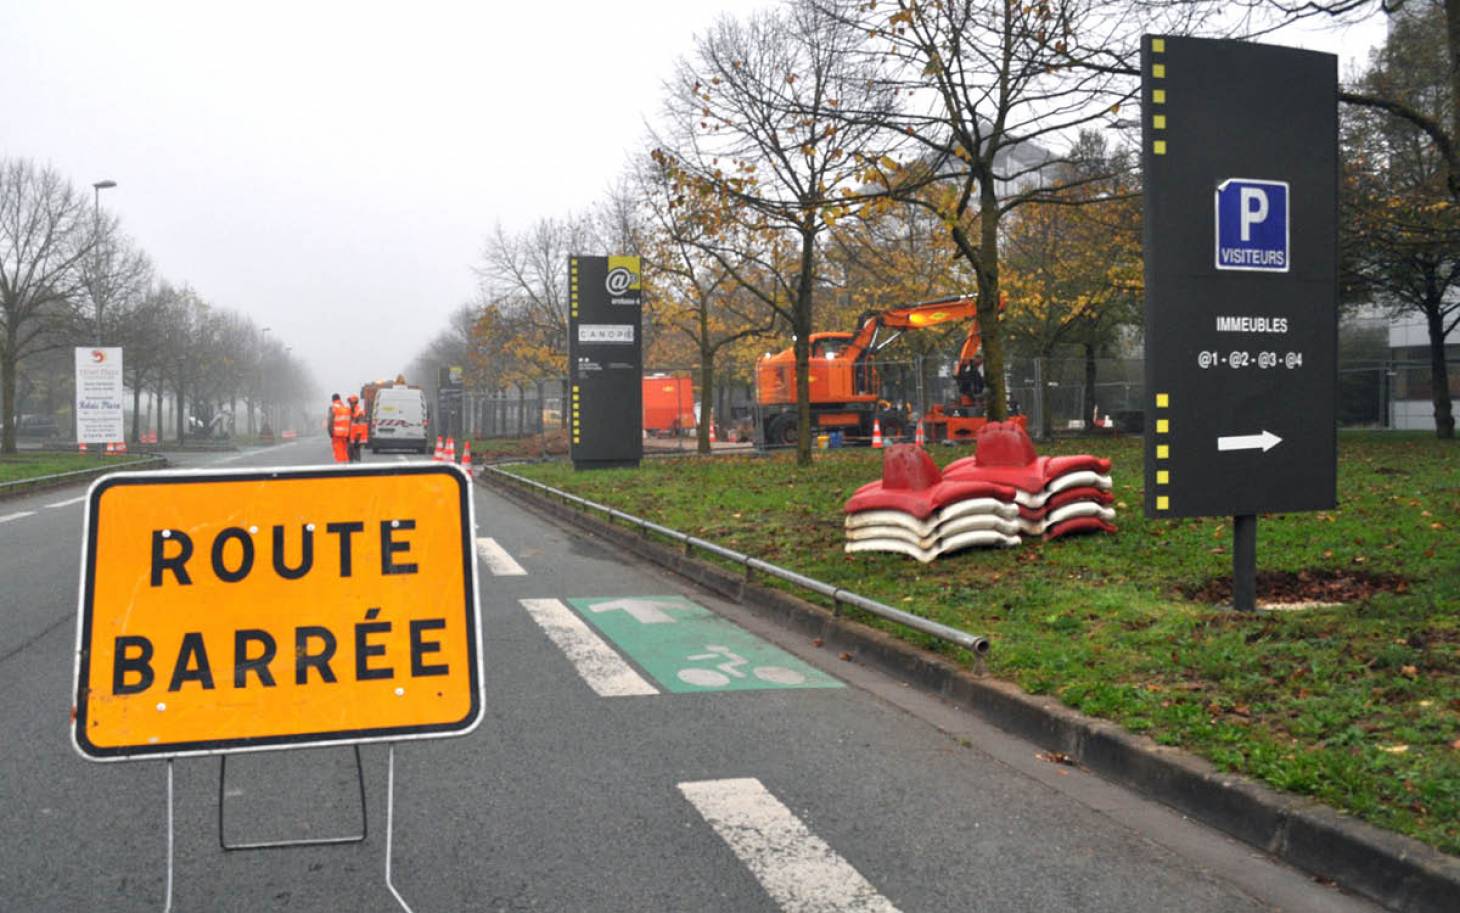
x: 251, y: 609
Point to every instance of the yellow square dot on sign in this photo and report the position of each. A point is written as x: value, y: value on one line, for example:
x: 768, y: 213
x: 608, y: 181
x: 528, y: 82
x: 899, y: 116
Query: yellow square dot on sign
x: 1163, y: 477
x: 1158, y: 45
x: 1163, y: 400
x: 1158, y: 70
x: 1163, y: 425
x: 1163, y: 451
x: 1163, y: 503
x: 1159, y: 122
x: 1158, y: 96
x: 1160, y: 147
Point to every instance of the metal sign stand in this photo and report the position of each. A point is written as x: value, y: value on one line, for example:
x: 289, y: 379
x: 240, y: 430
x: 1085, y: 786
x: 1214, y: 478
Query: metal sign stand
x: 321, y: 841
x: 1244, y: 562
x: 308, y: 841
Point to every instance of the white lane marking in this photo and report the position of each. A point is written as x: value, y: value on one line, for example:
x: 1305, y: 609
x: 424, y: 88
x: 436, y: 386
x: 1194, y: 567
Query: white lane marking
x: 68, y: 503
x: 16, y: 516
x: 497, y: 560
x: 603, y: 669
x: 248, y: 453
x: 798, y: 869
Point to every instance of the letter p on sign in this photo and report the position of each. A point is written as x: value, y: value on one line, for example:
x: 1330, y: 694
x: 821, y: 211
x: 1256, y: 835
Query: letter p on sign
x: 1254, y: 209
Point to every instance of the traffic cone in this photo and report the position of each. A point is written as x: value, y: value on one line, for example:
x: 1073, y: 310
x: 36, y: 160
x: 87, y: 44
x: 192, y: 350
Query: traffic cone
x: 876, y: 434
x: 450, y: 450
x: 80, y: 446
x: 920, y: 440
x: 111, y: 449
x: 440, y: 453
x: 466, y: 458
x: 121, y: 446
x: 713, y: 439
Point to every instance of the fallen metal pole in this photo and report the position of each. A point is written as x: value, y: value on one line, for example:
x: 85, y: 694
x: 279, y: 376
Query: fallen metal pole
x: 975, y: 643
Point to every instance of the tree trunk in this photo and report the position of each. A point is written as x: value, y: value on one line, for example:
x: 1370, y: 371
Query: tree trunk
x: 7, y: 398
x: 987, y: 271
x: 1046, y: 419
x: 802, y: 327
x: 180, y: 412
x: 136, y: 409
x: 707, y: 394
x: 1089, y: 404
x: 1439, y: 373
x: 1452, y: 44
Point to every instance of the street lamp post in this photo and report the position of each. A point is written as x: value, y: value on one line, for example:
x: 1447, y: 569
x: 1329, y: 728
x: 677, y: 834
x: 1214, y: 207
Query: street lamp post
x: 97, y: 188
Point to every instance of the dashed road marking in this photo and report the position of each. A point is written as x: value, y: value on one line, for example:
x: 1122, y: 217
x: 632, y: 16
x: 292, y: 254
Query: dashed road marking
x: 603, y: 669
x: 67, y: 503
x: 800, y: 872
x: 497, y: 560
x: 16, y: 516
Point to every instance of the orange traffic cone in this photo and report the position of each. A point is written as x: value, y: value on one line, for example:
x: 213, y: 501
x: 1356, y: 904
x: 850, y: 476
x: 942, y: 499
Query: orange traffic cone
x: 466, y: 458
x: 876, y: 434
x: 713, y: 439
x: 80, y: 446
x: 121, y: 446
x: 450, y: 456
x: 440, y: 453
x: 920, y: 440
x: 110, y: 450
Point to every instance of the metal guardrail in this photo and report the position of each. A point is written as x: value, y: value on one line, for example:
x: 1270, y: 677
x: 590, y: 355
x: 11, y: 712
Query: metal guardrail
x: 974, y: 643
x: 60, y: 478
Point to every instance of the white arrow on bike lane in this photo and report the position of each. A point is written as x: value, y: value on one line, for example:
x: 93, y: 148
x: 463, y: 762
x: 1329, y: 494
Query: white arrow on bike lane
x: 644, y: 611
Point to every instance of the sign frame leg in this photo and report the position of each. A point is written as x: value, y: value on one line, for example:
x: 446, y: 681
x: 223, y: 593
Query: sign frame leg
x: 1244, y: 562
x: 389, y: 831
x: 308, y: 841
x: 390, y: 826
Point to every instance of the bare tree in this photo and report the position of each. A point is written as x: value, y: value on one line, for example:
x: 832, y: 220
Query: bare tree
x: 525, y: 276
x: 46, y: 233
x: 761, y: 135
x: 996, y: 93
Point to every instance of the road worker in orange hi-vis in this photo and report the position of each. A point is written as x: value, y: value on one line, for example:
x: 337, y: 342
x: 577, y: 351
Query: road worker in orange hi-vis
x: 359, y: 429
x: 339, y: 429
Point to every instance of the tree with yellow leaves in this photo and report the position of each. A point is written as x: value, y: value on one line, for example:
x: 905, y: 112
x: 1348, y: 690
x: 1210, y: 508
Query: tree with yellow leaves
x: 694, y: 298
x: 1072, y: 264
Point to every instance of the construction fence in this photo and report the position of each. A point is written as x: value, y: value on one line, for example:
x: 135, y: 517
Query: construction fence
x: 1056, y: 395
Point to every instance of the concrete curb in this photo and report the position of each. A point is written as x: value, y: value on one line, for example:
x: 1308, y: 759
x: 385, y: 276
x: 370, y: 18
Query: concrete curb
x: 23, y: 487
x: 1396, y: 871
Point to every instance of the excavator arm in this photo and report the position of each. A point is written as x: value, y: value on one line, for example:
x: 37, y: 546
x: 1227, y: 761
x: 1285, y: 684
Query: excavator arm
x: 869, y: 339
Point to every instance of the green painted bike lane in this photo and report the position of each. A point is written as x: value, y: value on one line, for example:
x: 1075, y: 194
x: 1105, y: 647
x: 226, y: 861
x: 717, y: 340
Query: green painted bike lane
x: 687, y: 648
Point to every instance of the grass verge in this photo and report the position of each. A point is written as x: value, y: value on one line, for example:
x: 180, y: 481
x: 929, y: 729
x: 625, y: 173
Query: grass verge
x: 19, y: 466
x: 1356, y: 704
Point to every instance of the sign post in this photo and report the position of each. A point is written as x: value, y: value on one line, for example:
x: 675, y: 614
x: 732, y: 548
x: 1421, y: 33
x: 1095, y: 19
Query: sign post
x: 99, y: 395
x: 276, y: 608
x: 605, y: 362
x: 1240, y: 156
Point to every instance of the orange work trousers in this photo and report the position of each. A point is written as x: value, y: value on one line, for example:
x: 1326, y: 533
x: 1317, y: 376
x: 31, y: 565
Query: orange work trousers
x: 342, y: 449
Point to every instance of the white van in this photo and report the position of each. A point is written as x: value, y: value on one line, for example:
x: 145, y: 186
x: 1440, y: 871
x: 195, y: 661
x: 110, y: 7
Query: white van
x: 398, y: 420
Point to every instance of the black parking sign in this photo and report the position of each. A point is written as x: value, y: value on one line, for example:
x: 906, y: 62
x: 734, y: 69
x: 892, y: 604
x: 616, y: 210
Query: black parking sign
x: 1240, y: 153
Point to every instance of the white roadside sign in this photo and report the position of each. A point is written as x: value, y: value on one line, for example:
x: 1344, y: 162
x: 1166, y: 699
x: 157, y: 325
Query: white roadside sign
x: 99, y: 395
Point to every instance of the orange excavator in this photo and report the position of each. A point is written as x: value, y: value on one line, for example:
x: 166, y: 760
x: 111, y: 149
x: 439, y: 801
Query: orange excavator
x: 845, y: 386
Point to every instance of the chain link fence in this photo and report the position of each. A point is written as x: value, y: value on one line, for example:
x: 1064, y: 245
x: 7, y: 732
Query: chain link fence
x: 1057, y: 395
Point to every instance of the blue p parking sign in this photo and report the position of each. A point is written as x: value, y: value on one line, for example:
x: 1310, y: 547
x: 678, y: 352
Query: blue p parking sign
x: 1252, y: 225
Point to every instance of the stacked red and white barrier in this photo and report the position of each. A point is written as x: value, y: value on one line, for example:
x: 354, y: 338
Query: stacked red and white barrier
x: 1004, y: 492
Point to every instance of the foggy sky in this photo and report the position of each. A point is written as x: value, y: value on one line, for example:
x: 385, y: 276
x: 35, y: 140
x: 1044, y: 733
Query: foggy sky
x: 332, y: 168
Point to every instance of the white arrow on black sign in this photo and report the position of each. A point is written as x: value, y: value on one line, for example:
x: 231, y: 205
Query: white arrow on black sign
x: 1264, y: 442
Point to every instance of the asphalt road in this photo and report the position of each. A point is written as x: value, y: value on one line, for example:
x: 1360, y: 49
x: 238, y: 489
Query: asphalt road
x: 592, y: 784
